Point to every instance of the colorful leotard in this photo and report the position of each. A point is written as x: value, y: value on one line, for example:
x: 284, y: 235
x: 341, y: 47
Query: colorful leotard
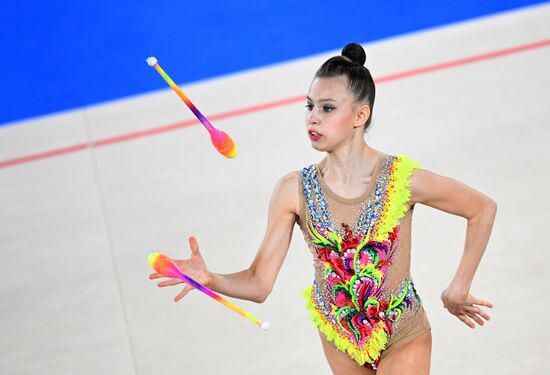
x: 362, y: 297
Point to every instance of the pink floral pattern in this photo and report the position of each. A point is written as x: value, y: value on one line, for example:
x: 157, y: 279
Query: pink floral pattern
x: 354, y: 270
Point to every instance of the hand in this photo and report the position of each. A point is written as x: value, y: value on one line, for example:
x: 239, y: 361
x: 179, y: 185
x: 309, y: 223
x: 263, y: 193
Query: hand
x: 462, y: 305
x: 194, y: 267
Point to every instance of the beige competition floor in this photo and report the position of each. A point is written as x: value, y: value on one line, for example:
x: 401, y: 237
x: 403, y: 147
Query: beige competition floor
x: 76, y: 228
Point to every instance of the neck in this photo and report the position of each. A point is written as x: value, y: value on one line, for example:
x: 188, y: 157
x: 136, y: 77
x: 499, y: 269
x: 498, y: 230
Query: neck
x: 350, y: 162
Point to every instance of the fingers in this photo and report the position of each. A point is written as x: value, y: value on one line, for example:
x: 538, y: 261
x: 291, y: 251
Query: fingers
x: 155, y: 276
x: 476, y: 318
x: 481, y: 302
x: 469, y: 314
x: 466, y: 321
x: 170, y: 282
x: 194, y: 245
x: 182, y: 294
x: 472, y: 314
x: 478, y: 311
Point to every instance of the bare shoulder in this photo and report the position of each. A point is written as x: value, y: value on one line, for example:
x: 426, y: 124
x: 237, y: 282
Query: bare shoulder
x: 446, y: 193
x: 419, y: 181
x: 426, y: 185
x: 285, y: 194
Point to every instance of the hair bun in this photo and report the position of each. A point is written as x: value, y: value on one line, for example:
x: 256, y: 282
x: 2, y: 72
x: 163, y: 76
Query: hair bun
x: 355, y: 53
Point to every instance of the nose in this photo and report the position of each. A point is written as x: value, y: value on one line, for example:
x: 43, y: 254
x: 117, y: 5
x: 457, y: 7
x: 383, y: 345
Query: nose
x: 312, y: 117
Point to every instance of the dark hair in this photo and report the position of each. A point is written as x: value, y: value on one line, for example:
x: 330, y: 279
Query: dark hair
x: 351, y: 64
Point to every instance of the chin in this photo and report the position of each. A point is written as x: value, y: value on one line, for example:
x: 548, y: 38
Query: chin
x: 316, y: 147
x: 320, y: 148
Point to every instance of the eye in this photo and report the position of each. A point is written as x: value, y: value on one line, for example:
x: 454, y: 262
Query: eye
x: 309, y: 106
x: 328, y: 108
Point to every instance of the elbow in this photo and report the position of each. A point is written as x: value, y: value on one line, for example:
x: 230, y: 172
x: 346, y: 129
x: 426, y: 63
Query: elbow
x: 491, y: 207
x: 263, y: 287
x: 485, y: 212
x: 262, y: 296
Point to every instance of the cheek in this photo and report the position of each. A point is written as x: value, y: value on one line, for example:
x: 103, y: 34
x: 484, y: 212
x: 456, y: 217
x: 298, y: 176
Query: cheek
x: 342, y: 121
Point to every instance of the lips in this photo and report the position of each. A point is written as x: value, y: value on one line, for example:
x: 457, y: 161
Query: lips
x: 313, y: 135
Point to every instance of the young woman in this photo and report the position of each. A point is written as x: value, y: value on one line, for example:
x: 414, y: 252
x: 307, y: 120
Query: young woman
x: 354, y: 208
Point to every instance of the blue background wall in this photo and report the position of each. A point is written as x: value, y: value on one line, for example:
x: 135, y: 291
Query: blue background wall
x: 58, y: 55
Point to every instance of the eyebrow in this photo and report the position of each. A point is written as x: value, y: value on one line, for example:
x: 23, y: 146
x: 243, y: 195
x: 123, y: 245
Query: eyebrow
x: 322, y: 100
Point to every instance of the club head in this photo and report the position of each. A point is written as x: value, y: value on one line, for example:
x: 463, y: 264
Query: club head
x: 164, y: 265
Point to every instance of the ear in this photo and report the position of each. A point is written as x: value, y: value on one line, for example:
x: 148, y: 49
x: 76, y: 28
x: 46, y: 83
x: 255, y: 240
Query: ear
x: 363, y: 114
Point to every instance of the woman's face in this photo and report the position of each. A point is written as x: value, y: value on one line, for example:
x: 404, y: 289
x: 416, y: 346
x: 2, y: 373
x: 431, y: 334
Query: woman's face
x: 331, y: 116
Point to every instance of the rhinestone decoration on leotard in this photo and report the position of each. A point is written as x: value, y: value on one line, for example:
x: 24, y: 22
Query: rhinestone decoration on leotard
x: 351, y: 305
x: 319, y: 209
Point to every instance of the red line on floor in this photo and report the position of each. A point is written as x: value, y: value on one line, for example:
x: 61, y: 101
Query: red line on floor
x: 43, y: 155
x: 266, y: 106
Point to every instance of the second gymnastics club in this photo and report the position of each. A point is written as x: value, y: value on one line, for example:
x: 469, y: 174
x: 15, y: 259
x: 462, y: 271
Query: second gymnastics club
x: 167, y: 267
x: 221, y: 141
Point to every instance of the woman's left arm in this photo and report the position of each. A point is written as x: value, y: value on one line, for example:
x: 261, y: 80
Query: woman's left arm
x: 457, y: 198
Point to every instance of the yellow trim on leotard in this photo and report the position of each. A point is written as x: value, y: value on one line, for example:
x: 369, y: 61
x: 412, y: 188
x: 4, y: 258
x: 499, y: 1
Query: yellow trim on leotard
x: 377, y: 341
x: 397, y: 196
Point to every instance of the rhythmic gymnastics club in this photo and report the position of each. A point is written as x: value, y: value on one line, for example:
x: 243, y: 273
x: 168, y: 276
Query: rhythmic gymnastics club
x: 223, y: 142
x: 167, y: 267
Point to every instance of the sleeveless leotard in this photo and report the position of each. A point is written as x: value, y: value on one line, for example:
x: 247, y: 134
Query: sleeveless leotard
x: 362, y: 297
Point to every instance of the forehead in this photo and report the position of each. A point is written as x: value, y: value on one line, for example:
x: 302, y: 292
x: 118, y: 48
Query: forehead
x: 329, y: 87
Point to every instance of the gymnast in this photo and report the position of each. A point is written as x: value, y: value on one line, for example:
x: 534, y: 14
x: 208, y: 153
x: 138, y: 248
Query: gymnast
x: 354, y: 208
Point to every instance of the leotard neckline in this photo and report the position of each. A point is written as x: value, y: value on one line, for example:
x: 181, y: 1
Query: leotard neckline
x: 370, y: 187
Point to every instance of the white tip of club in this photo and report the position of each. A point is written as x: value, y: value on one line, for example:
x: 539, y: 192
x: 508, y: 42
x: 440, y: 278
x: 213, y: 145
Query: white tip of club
x: 152, y: 61
x: 264, y: 326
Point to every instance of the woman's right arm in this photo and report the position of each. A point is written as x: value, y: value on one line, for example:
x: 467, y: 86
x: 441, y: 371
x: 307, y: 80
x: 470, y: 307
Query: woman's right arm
x: 256, y: 282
